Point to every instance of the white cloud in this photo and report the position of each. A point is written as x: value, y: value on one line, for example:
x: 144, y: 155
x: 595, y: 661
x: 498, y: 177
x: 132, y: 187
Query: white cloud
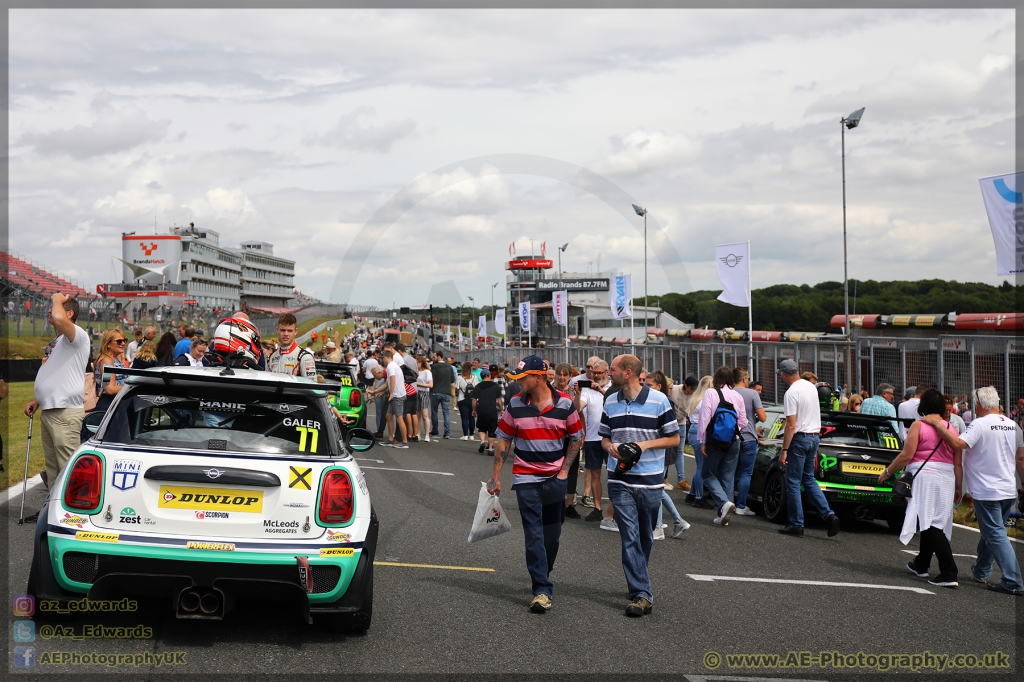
x: 119, y: 132
x: 353, y: 131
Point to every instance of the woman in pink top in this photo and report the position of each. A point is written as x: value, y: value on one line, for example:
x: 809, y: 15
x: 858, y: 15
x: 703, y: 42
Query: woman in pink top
x: 937, y: 486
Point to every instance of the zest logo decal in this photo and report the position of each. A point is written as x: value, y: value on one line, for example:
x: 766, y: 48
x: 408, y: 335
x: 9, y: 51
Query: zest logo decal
x: 148, y: 250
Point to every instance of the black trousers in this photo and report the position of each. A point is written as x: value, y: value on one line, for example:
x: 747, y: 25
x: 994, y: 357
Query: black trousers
x: 574, y: 472
x: 933, y: 541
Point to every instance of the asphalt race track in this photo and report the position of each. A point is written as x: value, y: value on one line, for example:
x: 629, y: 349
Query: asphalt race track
x: 715, y: 595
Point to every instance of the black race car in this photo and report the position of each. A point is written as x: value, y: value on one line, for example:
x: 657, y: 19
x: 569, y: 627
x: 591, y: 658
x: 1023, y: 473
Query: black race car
x: 855, y: 449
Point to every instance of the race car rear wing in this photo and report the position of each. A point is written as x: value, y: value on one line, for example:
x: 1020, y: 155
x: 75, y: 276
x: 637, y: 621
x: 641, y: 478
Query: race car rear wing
x: 226, y: 376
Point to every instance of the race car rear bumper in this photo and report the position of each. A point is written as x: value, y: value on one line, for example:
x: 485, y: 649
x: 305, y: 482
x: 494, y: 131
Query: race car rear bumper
x: 66, y: 572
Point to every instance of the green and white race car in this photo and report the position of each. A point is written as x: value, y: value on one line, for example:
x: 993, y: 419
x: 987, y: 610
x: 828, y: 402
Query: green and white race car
x: 205, y: 486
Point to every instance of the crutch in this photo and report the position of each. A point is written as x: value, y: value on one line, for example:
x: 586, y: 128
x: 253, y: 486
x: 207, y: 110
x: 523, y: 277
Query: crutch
x: 24, y: 483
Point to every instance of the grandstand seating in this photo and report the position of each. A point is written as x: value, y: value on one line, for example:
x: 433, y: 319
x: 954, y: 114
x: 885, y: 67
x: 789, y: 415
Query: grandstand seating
x: 35, y: 281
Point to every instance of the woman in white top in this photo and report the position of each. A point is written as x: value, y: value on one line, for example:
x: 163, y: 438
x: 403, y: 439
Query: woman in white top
x: 424, y: 382
x: 464, y: 385
x: 696, y: 496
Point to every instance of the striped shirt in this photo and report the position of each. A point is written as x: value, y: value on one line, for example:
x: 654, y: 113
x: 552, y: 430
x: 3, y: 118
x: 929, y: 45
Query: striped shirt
x: 649, y: 416
x: 540, y: 437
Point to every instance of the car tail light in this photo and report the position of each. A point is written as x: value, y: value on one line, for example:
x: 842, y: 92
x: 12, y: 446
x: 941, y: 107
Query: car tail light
x: 85, y: 483
x: 355, y: 399
x: 817, y: 466
x: 336, y: 497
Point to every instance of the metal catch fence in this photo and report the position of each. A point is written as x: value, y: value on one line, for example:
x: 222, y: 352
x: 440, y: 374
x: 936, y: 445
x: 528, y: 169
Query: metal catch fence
x: 953, y: 364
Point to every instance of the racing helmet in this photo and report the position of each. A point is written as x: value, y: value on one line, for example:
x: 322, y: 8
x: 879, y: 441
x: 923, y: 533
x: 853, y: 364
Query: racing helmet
x: 236, y: 343
x: 828, y: 398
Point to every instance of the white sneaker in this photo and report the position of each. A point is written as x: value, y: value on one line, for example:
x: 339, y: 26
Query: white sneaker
x: 680, y: 528
x: 723, y: 516
x: 464, y: 438
x: 744, y: 511
x: 664, y: 526
x: 659, y: 534
x: 609, y: 524
x: 669, y: 487
x: 427, y: 439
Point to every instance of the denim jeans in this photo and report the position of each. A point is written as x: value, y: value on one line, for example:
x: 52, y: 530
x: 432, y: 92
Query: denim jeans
x: 674, y: 455
x: 380, y: 404
x: 444, y: 400
x: 667, y: 503
x: 720, y: 472
x: 803, y: 451
x: 994, y: 545
x: 542, y: 509
x: 468, y: 420
x: 636, y: 512
x: 697, y: 482
x: 748, y: 455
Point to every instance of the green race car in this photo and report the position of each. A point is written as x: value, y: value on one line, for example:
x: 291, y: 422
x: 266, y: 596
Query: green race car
x: 350, y: 400
x: 854, y: 450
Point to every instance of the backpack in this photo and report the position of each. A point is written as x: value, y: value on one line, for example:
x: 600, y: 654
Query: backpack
x: 724, y: 425
x: 410, y: 380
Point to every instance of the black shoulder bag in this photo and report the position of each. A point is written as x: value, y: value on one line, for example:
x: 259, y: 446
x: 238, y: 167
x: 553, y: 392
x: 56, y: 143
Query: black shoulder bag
x: 904, y: 484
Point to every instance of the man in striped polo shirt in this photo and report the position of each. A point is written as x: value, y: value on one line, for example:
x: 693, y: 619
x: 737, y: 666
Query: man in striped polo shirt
x: 544, y: 430
x: 636, y: 416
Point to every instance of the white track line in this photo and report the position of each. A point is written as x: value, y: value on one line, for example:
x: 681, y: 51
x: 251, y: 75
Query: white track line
x: 975, y: 530
x: 910, y: 551
x: 14, y: 492
x: 824, y: 583
x: 411, y: 471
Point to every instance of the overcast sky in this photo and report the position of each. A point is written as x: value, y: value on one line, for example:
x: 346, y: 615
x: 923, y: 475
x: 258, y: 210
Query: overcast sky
x: 295, y: 127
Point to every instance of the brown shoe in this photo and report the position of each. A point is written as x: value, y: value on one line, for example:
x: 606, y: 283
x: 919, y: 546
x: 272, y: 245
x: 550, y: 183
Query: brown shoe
x: 540, y: 604
x: 683, y: 485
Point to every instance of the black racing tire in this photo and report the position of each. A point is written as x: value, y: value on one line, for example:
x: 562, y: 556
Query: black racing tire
x: 774, y: 499
x: 895, y: 521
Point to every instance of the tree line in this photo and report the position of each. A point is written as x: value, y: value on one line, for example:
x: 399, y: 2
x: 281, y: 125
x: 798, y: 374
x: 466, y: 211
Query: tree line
x: 788, y: 307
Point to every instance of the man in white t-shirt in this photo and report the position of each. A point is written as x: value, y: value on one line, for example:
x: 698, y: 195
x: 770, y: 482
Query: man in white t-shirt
x: 993, y: 448
x: 800, y: 450
x: 591, y: 407
x: 60, y: 387
x: 908, y: 408
x: 396, y: 405
x: 133, y: 347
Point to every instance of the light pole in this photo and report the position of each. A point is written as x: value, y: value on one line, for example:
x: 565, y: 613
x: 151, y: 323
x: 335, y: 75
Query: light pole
x: 643, y: 212
x: 472, y: 314
x: 851, y: 122
x: 494, y: 312
x: 561, y: 248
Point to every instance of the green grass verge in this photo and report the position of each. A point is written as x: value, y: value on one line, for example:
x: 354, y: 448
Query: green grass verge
x: 964, y: 515
x: 14, y: 426
x: 342, y: 329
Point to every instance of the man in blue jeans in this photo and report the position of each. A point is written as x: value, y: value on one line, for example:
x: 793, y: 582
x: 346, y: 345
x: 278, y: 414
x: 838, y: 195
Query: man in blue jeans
x: 545, y: 431
x: 748, y: 437
x: 993, y: 447
x: 440, y: 393
x: 800, y: 450
x: 639, y: 416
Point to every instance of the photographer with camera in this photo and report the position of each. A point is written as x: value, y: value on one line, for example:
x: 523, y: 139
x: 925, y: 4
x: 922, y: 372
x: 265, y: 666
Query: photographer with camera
x: 637, y: 425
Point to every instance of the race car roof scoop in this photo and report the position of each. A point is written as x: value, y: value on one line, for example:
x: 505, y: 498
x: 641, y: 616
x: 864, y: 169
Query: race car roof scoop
x: 202, y: 474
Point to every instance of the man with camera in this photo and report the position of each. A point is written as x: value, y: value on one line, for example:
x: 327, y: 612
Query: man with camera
x: 636, y: 427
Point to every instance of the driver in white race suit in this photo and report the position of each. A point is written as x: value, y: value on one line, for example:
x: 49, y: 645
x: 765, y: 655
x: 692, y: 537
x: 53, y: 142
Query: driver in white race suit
x: 290, y: 357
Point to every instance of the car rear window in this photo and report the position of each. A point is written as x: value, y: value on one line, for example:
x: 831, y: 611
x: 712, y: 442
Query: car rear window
x: 870, y: 435
x: 214, y: 420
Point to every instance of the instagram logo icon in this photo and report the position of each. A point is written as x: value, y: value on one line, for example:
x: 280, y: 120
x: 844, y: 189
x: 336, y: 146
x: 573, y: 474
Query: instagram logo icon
x: 24, y: 605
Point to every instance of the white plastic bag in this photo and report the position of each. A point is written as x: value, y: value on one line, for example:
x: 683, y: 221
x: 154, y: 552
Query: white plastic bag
x: 489, y: 519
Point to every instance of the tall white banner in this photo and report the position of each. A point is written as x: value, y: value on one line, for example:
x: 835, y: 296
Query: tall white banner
x: 499, y: 321
x: 733, y: 265
x: 622, y: 297
x: 481, y: 327
x: 1005, y: 207
x: 524, y: 315
x: 560, y: 307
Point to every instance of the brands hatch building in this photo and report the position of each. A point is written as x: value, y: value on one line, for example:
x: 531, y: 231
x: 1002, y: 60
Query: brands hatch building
x: 188, y: 266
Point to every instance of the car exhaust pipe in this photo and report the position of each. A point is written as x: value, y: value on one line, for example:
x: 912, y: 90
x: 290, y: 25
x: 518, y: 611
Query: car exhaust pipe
x: 209, y: 603
x: 190, y: 601
x: 864, y: 514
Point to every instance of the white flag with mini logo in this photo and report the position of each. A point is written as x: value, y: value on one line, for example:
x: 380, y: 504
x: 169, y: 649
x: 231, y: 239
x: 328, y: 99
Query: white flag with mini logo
x: 560, y: 307
x: 524, y: 315
x: 733, y: 266
x: 499, y: 321
x: 481, y: 327
x: 1004, y: 203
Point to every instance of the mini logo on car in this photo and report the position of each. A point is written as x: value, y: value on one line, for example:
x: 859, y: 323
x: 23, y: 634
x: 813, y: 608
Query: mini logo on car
x: 213, y: 473
x: 865, y: 456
